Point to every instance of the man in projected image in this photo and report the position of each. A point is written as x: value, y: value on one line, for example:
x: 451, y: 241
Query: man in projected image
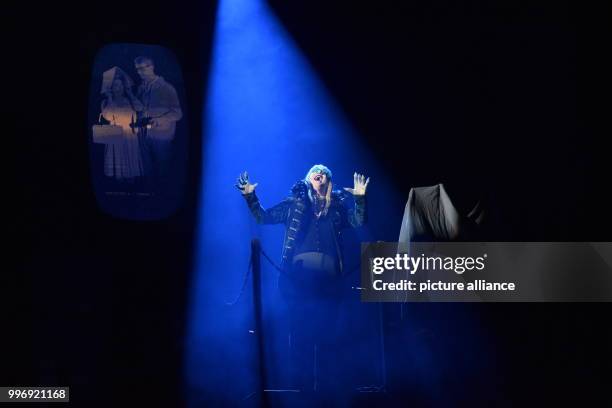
x: 156, y: 122
x: 312, y: 281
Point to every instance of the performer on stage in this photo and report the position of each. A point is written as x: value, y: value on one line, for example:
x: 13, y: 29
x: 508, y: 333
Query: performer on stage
x: 312, y: 281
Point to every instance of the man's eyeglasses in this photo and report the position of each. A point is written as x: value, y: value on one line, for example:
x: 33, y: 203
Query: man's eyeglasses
x: 142, y: 67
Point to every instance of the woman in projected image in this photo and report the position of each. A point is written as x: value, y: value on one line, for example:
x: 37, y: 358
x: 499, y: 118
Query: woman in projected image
x: 123, y: 159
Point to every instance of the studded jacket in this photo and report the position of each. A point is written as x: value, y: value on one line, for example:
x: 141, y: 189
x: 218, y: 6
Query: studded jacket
x: 293, y: 212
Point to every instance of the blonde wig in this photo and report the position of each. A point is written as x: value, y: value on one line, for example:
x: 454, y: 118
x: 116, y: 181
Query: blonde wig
x: 319, y: 169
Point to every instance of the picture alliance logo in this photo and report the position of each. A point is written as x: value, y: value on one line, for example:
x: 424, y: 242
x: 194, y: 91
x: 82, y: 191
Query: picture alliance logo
x: 412, y: 264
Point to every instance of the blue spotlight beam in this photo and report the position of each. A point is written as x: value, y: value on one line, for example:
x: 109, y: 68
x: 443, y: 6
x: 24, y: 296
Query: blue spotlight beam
x: 267, y: 113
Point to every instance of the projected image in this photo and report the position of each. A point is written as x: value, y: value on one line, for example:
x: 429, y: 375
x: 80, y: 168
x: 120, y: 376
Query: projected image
x: 138, y: 143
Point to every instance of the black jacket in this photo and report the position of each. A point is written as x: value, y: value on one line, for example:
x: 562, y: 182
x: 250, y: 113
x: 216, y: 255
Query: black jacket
x: 293, y: 212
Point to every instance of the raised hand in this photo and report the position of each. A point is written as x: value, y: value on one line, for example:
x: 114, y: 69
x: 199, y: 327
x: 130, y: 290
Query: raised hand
x: 361, y: 184
x: 242, y: 184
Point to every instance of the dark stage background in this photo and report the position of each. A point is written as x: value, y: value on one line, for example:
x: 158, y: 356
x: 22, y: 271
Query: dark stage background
x: 477, y: 95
